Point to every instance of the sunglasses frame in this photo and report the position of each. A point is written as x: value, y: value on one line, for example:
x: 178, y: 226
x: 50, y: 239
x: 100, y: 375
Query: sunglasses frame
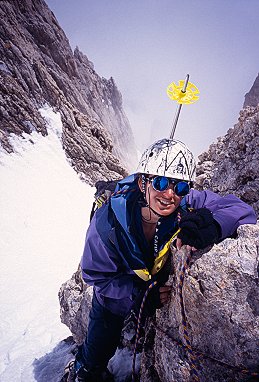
x: 172, y: 181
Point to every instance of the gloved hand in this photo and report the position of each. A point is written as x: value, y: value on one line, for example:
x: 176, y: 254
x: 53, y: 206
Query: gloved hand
x: 198, y: 229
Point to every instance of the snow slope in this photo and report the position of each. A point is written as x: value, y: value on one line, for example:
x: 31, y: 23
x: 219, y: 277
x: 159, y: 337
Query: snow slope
x: 44, y: 209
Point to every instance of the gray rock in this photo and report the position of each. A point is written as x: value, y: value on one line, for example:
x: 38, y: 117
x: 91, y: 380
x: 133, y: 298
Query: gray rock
x: 231, y: 164
x: 75, y: 301
x: 252, y: 97
x: 221, y: 300
x: 37, y: 67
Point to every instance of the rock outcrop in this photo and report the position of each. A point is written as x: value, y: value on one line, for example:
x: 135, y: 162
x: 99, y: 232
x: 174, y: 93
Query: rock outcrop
x: 37, y: 66
x: 221, y: 300
x: 231, y: 164
x: 252, y: 97
x: 75, y: 298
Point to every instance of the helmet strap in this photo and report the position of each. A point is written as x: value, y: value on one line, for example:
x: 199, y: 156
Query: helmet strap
x: 148, y: 202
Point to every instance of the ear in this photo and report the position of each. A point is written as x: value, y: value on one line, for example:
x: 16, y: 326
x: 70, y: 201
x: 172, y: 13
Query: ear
x: 140, y: 183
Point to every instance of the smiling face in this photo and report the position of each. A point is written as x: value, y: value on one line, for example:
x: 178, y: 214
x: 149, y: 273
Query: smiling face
x: 163, y: 203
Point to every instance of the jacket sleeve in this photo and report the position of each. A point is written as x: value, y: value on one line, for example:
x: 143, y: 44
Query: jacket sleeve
x: 229, y: 211
x: 103, y: 268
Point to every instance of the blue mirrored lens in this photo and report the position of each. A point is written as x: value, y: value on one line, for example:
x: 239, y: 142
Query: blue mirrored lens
x: 181, y: 188
x: 160, y: 183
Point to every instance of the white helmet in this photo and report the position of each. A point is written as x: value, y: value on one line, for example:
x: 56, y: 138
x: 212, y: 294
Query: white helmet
x: 168, y: 157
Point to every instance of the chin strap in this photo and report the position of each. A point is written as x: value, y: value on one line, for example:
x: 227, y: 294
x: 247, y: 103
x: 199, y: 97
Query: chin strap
x: 146, y: 204
x: 160, y: 216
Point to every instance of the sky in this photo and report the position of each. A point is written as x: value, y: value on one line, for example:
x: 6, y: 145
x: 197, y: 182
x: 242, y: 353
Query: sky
x: 45, y: 211
x: 147, y: 44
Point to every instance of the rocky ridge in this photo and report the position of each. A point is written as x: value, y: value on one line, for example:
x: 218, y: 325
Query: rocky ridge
x: 37, y: 66
x: 252, y: 97
x: 231, y: 164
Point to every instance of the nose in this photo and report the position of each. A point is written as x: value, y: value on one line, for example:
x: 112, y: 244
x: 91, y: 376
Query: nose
x: 169, y: 192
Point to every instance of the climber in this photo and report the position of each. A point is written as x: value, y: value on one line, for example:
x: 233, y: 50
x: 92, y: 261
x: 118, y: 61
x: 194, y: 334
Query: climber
x: 122, y: 253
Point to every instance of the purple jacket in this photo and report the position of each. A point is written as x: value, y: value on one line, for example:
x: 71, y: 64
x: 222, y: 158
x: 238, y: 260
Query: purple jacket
x: 115, y: 244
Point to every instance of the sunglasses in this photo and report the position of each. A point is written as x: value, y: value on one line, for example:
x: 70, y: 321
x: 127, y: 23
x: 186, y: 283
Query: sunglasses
x: 162, y: 183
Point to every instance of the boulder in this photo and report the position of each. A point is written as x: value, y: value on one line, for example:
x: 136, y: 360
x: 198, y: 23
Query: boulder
x: 221, y: 304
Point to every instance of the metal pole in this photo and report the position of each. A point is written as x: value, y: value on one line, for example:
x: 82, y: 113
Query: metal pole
x: 179, y: 108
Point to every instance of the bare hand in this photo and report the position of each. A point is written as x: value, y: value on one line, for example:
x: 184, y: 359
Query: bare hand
x: 188, y: 247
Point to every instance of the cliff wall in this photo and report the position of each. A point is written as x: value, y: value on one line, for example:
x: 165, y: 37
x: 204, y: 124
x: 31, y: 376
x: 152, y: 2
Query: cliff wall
x: 38, y: 66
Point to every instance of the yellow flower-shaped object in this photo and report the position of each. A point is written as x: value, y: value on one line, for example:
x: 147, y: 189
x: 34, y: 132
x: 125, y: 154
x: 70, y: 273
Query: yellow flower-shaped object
x: 176, y: 93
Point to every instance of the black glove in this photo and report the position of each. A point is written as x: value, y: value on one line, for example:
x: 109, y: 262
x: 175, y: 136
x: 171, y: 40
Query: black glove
x: 199, y: 229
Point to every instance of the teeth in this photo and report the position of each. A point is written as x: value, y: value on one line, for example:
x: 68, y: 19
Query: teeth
x: 165, y: 202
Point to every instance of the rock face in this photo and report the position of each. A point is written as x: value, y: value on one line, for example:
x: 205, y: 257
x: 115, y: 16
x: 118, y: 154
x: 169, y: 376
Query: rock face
x: 75, y: 300
x: 221, y: 301
x: 252, y: 97
x: 37, y: 66
x: 231, y: 164
x: 221, y: 304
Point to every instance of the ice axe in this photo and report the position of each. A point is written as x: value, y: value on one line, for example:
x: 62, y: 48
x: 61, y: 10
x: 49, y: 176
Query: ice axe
x: 183, y: 93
